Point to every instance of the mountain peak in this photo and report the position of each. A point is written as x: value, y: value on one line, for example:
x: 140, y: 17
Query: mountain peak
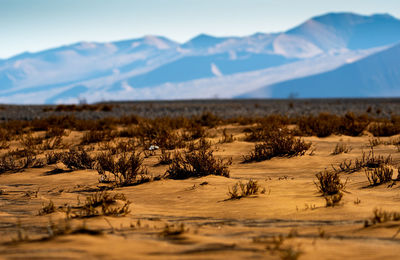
x: 203, y: 41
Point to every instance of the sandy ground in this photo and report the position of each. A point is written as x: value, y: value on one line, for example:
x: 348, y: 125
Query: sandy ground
x: 289, y: 218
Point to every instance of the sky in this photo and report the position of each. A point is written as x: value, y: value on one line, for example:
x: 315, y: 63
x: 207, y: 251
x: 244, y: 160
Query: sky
x: 34, y: 25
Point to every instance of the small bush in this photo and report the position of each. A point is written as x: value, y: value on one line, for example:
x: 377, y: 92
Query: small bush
x: 47, y: 209
x: 384, y: 128
x: 101, y: 204
x: 341, y: 148
x: 333, y: 200
x: 77, y: 160
x: 196, y: 164
x: 127, y: 170
x: 382, y: 216
x: 278, y: 144
x: 329, y: 183
x: 165, y: 158
x: 53, y: 157
x: 366, y: 161
x: 95, y: 136
x: 226, y: 137
x: 241, y: 190
x: 380, y: 175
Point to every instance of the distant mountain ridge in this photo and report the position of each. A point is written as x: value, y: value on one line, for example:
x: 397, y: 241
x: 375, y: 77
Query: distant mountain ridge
x: 136, y: 68
x: 377, y: 75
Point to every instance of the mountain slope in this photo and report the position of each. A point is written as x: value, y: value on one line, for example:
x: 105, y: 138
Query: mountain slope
x: 348, y: 30
x: 377, y: 75
x: 104, y: 70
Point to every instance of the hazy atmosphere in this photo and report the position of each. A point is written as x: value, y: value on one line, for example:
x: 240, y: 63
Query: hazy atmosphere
x: 33, y: 25
x: 188, y: 129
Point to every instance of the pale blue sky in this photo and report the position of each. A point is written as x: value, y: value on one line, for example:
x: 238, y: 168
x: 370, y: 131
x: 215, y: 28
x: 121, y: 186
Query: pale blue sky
x: 33, y: 25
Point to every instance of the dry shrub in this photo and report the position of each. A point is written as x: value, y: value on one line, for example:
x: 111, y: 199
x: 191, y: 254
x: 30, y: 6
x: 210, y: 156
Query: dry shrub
x: 227, y: 138
x: 326, y: 124
x: 201, y: 144
x: 329, y: 183
x: 96, y: 136
x: 331, y: 187
x: 366, y: 161
x: 173, y: 231
x: 127, y: 170
x: 380, y: 175
x: 160, y: 132
x: 8, y: 164
x: 77, y: 159
x: 29, y: 142
x: 197, y: 164
x: 385, y: 128
x: 382, y: 216
x: 47, y: 209
x: 341, y: 148
x: 100, y: 204
x: 241, y: 190
x: 165, y: 158
x: 262, y: 130
x: 333, y: 200
x: 280, y: 143
x: 5, y: 137
x: 53, y: 157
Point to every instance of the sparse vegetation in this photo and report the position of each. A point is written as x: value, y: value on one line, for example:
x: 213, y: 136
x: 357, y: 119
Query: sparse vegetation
x: 77, y: 159
x: 380, y: 175
x: 197, y: 163
x: 382, y: 216
x: 280, y: 143
x: 341, y: 148
x: 127, y: 170
x: 329, y: 183
x: 241, y: 190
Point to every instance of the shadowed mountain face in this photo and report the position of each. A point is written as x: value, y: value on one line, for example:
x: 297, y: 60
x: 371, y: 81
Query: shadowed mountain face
x: 375, y: 76
x: 127, y: 69
x: 338, y: 30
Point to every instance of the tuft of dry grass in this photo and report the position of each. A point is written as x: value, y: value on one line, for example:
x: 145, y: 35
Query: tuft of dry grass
x: 280, y: 143
x: 341, y: 148
x: 197, y: 164
x: 241, y: 190
x: 77, y: 159
x: 127, y: 170
x: 380, y: 175
x: 47, y: 209
x: 382, y: 216
x: 329, y: 183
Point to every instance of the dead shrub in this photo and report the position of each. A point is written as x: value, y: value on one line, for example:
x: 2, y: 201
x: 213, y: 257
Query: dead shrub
x: 77, y: 159
x: 279, y: 143
x: 382, y: 216
x: 341, y: 148
x: 197, y: 164
x: 53, y: 157
x: 47, y: 209
x: 96, y: 136
x: 165, y: 158
x: 385, y: 128
x: 366, y: 161
x: 241, y: 190
x: 380, y: 175
x: 333, y: 200
x: 127, y: 170
x: 329, y: 183
x: 227, y: 138
x: 100, y: 204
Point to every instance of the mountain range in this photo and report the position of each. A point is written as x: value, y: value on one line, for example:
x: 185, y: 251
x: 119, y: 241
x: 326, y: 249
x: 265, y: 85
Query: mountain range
x: 333, y: 55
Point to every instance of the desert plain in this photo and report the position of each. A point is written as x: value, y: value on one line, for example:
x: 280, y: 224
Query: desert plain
x: 322, y: 187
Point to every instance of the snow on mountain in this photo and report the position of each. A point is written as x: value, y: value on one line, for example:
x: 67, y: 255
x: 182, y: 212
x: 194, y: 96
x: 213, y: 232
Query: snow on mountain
x: 155, y: 67
x: 377, y: 75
